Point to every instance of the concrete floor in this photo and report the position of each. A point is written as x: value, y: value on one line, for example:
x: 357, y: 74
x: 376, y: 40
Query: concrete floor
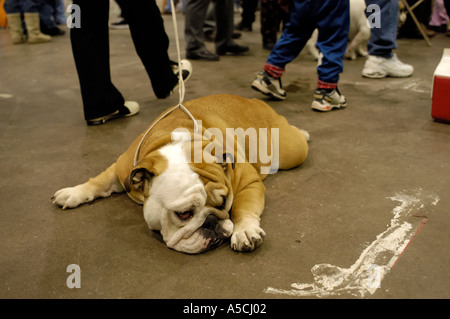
x: 384, y: 145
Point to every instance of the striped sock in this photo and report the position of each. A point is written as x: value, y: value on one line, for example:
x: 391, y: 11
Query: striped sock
x: 326, y: 85
x: 273, y: 70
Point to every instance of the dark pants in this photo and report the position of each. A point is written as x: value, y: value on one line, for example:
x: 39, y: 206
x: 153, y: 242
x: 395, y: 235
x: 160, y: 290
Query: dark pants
x: 248, y: 12
x: 447, y: 6
x: 22, y: 6
x: 90, y: 46
x: 195, y: 14
x: 272, y: 16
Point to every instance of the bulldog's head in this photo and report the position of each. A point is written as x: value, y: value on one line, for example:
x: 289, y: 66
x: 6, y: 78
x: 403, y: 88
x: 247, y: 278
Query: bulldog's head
x: 188, y: 203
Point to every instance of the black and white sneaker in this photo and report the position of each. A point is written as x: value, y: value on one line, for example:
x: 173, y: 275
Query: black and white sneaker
x: 325, y: 101
x: 129, y: 108
x: 269, y: 86
x: 186, y: 72
x: 186, y: 69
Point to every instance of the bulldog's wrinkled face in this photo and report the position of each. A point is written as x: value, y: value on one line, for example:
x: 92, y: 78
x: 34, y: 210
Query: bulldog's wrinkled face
x: 190, y: 212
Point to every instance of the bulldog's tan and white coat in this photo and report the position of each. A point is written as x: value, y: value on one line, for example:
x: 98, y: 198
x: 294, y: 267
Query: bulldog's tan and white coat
x: 196, y: 206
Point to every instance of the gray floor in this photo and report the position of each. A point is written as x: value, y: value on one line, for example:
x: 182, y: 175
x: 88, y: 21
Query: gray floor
x: 384, y: 147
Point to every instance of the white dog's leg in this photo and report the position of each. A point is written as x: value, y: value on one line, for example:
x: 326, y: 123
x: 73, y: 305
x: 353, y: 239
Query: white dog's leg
x: 356, y: 46
x: 311, y: 45
x: 102, y: 185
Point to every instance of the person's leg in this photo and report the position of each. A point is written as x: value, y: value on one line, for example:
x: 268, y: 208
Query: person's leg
x: 382, y: 62
x: 447, y: 8
x: 14, y: 14
x: 224, y: 13
x: 383, y: 36
x: 46, y: 15
x: 248, y: 14
x: 60, y: 12
x: 151, y: 43
x: 32, y: 21
x: 294, y: 37
x: 90, y: 47
x: 270, y: 22
x: 195, y: 14
x: 12, y: 6
x: 30, y: 6
x: 47, y: 20
x: 333, y: 25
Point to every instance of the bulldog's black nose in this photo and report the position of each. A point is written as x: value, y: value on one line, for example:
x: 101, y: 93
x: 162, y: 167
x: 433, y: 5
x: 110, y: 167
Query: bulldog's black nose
x: 210, y: 222
x: 213, y: 230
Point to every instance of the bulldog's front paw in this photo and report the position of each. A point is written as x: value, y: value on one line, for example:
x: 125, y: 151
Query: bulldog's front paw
x: 71, y: 197
x: 247, y: 237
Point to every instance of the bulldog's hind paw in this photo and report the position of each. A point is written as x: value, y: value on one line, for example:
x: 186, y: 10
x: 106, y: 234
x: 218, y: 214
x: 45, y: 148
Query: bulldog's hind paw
x: 71, y: 197
x: 247, y: 238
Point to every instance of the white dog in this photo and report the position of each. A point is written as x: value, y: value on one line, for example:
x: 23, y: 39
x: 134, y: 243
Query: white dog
x: 358, y: 35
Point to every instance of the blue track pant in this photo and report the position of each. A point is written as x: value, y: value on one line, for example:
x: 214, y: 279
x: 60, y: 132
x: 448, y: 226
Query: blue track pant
x: 332, y: 19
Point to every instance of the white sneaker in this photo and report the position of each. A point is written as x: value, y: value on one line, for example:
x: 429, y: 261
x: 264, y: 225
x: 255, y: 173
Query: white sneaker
x: 377, y: 67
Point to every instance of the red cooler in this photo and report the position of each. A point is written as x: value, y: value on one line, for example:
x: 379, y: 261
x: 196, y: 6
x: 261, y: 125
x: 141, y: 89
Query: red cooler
x: 440, y: 107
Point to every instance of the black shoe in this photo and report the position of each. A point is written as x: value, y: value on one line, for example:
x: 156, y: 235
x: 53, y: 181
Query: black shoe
x: 121, y: 24
x: 202, y: 54
x: 233, y: 49
x: 54, y: 31
x: 236, y: 35
x: 243, y: 26
x: 130, y: 108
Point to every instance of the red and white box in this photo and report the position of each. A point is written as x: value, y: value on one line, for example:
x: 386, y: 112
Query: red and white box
x: 440, y: 107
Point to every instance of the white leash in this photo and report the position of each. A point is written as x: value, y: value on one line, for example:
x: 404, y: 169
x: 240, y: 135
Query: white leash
x: 181, y: 89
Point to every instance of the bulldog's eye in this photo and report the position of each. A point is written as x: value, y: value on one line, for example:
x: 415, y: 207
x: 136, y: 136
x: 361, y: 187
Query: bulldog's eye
x: 185, y: 215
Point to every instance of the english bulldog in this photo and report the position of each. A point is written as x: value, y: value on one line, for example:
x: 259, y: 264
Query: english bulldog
x: 358, y: 35
x: 201, y: 184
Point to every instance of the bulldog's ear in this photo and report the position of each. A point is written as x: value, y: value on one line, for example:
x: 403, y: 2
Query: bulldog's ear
x: 139, y: 180
x: 151, y: 165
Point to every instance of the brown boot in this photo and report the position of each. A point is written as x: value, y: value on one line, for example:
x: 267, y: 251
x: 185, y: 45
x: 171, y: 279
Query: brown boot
x: 15, y: 28
x: 34, y: 30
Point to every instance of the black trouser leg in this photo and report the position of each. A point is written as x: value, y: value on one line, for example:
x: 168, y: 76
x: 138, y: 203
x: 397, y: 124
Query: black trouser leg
x: 224, y: 23
x: 248, y: 12
x: 90, y: 47
x: 447, y: 6
x: 151, y: 43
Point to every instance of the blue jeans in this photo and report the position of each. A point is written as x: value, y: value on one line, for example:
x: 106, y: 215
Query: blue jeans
x: 21, y: 6
x: 46, y: 14
x: 332, y: 19
x: 384, y: 39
